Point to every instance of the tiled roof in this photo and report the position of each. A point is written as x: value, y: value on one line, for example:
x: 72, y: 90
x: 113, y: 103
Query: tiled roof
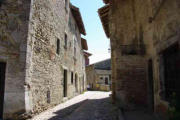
x: 104, y: 16
x: 77, y: 15
x: 103, y: 65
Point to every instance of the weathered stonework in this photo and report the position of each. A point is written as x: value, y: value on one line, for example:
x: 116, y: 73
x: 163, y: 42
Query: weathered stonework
x: 35, y: 73
x: 151, y: 25
x: 99, y: 75
x: 14, y: 17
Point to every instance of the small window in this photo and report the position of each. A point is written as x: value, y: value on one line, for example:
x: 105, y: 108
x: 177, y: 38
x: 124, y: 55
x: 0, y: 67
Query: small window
x: 75, y: 27
x: 57, y: 46
x: 74, y: 51
x: 48, y: 97
x: 72, y: 74
x: 101, y: 78
x: 65, y: 41
x: 66, y: 5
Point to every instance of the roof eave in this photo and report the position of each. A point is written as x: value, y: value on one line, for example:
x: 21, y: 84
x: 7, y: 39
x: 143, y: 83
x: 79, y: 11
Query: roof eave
x: 87, y: 54
x: 78, y: 18
x: 84, y: 44
x: 104, y: 17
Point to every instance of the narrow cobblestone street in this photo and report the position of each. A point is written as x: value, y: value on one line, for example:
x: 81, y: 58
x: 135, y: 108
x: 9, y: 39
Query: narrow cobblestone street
x: 91, y: 105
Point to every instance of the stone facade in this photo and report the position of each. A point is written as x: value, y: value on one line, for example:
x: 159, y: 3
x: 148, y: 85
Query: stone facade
x: 140, y: 32
x: 14, y: 17
x: 48, y: 50
x: 99, y: 76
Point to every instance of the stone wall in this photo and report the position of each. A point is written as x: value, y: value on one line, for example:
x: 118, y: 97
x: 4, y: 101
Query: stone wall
x: 14, y: 17
x: 50, y: 22
x: 128, y: 63
x: 153, y: 23
x: 93, y: 78
x: 90, y: 73
x: 29, y: 32
x: 131, y: 81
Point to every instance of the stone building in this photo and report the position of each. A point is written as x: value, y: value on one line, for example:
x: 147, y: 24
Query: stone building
x: 87, y: 55
x: 145, y: 38
x: 42, y: 61
x: 99, y: 75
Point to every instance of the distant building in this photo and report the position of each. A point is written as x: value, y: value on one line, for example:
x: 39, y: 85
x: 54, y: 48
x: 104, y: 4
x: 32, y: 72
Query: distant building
x: 99, y: 75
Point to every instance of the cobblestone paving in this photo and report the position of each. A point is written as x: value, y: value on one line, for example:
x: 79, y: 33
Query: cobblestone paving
x: 91, y: 105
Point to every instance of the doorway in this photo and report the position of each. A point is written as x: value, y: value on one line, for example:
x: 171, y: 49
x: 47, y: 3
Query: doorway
x: 172, y: 72
x: 65, y: 83
x: 2, y: 86
x: 76, y: 82
x: 151, y: 85
x: 106, y: 81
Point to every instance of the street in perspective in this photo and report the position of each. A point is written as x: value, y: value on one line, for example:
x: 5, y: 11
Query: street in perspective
x: 89, y: 59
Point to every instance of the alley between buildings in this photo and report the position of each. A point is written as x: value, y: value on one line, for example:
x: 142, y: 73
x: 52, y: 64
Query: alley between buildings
x: 92, y: 105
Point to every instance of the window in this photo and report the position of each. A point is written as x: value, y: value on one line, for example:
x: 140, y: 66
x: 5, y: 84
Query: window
x: 74, y: 47
x: 65, y: 41
x: 75, y: 27
x: 74, y: 51
x: 48, y: 97
x: 66, y: 5
x: 57, y: 46
x: 72, y: 77
x: 1, y: 1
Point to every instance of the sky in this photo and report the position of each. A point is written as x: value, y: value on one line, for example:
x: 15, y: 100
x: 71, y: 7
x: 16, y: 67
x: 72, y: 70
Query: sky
x: 98, y: 43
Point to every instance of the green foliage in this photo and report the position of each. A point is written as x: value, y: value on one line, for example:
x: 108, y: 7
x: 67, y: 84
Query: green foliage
x: 174, y: 108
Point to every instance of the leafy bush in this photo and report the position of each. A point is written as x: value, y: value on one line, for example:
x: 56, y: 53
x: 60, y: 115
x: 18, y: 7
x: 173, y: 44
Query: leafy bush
x: 174, y: 108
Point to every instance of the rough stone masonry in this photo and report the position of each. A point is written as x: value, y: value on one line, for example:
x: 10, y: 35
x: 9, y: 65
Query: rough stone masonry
x: 145, y: 42
x: 41, y: 47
